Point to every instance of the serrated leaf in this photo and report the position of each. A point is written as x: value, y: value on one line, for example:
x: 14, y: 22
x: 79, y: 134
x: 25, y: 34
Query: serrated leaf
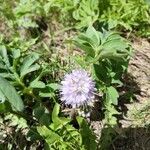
x: 112, y: 95
x: 109, y: 115
x: 11, y: 94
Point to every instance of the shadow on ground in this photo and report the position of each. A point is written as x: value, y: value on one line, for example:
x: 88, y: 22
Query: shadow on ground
x: 125, y: 139
x: 128, y: 94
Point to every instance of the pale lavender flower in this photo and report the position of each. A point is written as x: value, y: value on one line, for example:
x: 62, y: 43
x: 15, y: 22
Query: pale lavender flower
x: 77, y: 88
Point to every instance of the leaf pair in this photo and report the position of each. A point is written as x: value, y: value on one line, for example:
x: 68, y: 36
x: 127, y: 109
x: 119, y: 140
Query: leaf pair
x: 102, y: 45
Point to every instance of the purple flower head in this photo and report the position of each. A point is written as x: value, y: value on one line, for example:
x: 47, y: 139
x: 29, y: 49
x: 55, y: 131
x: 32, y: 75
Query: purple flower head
x: 77, y: 88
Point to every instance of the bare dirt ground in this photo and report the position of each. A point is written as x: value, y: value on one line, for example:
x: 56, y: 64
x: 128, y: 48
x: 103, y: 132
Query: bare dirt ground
x: 139, y: 67
x: 135, y: 130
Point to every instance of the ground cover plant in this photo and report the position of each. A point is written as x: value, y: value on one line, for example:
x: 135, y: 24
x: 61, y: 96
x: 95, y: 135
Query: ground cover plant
x: 63, y: 66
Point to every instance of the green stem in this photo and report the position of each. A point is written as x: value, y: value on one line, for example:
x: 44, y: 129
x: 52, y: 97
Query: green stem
x: 25, y: 90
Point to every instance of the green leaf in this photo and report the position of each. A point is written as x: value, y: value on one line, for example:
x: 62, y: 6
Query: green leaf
x: 45, y: 119
x: 11, y: 94
x: 49, y: 90
x: 86, y: 13
x: 103, y: 45
x: 101, y: 72
x: 48, y: 135
x: 27, y: 66
x: 2, y: 107
x: 7, y: 75
x: 116, y: 81
x: 16, y: 53
x: 38, y: 111
x: 2, y: 97
x: 31, y: 69
x: 89, y: 42
x: 37, y: 84
x: 2, y: 66
x: 33, y: 135
x: 109, y: 115
x: 46, y: 94
x: 112, y: 95
x: 3, y: 53
x: 86, y: 39
x: 117, y: 44
x: 87, y: 48
x: 88, y: 137
x: 93, y: 35
x: 55, y: 112
x: 54, y: 86
x: 5, y: 107
x: 58, y: 122
x: 41, y: 115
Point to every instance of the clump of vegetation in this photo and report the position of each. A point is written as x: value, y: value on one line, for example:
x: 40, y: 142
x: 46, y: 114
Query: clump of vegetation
x: 132, y: 15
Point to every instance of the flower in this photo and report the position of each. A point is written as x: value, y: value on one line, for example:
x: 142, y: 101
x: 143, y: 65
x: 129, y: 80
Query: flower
x: 77, y: 88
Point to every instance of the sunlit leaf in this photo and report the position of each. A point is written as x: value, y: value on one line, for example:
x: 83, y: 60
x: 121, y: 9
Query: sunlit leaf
x: 112, y: 95
x: 27, y: 65
x: 11, y: 94
x: 37, y: 84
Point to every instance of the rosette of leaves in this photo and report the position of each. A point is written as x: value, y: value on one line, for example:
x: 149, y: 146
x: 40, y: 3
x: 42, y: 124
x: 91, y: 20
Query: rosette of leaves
x: 21, y: 76
x: 107, y: 54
